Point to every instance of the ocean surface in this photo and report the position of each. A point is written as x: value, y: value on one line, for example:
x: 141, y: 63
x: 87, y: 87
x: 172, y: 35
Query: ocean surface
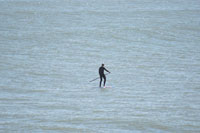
x: 51, y: 49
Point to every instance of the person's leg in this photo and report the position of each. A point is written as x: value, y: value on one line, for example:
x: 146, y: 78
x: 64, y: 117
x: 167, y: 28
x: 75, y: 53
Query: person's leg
x: 104, y: 77
x: 100, y: 81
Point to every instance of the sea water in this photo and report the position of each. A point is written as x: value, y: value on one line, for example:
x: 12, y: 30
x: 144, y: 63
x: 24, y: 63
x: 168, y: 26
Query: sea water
x: 51, y: 49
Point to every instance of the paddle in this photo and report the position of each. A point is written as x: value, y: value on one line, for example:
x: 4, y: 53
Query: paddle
x: 98, y: 77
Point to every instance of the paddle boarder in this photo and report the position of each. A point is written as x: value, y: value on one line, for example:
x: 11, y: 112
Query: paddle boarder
x: 102, y: 75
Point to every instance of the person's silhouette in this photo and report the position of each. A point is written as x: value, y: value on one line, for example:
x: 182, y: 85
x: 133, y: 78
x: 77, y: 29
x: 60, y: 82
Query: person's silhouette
x: 102, y: 75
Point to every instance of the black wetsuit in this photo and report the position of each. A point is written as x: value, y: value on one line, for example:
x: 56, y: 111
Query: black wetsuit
x: 102, y: 75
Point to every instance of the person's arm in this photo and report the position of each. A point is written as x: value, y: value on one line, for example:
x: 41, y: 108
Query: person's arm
x: 106, y: 70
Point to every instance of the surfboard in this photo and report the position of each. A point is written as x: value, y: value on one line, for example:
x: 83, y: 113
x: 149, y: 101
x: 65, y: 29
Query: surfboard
x: 106, y: 87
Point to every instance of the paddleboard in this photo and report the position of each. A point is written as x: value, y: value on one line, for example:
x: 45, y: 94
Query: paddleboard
x: 106, y: 87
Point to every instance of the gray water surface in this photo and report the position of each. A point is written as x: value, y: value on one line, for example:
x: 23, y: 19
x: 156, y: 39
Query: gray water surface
x: 51, y: 49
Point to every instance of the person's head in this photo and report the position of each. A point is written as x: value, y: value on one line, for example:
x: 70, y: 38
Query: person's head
x: 102, y: 65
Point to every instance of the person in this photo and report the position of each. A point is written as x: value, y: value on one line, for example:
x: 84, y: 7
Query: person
x: 102, y: 75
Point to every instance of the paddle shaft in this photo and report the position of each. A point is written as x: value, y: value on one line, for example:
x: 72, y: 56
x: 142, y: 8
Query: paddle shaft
x: 98, y: 77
